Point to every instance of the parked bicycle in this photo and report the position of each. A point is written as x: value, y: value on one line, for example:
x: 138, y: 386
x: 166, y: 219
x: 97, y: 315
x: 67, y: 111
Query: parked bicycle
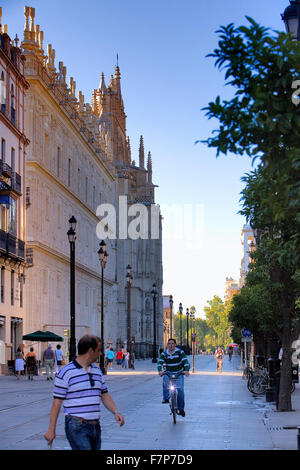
x: 258, y: 381
x: 173, y: 393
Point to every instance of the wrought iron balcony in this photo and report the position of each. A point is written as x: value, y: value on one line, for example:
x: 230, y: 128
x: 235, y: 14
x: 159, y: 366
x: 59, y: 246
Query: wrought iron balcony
x: 5, y: 169
x: 12, y: 246
x: 16, y: 183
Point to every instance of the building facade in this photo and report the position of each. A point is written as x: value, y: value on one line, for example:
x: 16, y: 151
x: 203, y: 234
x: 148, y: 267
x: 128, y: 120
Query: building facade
x: 231, y: 288
x: 14, y: 143
x: 79, y: 163
x: 248, y: 243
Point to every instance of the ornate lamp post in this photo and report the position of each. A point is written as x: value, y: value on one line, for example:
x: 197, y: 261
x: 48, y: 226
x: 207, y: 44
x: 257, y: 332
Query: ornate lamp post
x: 128, y: 284
x: 192, y: 316
x: 291, y: 18
x: 72, y: 237
x: 171, y: 315
x: 180, y: 322
x: 154, y: 296
x: 103, y: 258
x: 187, y: 331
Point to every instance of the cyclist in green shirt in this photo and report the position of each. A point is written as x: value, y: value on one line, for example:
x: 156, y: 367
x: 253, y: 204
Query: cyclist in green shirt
x: 174, y: 360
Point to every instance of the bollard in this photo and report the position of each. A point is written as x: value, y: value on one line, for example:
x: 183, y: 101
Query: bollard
x: 298, y: 438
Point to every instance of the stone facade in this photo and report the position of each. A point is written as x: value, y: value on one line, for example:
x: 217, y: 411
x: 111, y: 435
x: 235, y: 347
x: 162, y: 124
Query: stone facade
x: 13, y: 142
x: 78, y: 159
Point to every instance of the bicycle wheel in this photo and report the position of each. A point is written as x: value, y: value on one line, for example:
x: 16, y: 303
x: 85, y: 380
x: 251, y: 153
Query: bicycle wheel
x: 259, y: 386
x: 173, y: 406
x: 250, y: 383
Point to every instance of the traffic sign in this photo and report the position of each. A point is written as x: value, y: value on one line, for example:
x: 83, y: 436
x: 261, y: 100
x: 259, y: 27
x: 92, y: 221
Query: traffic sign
x: 246, y: 333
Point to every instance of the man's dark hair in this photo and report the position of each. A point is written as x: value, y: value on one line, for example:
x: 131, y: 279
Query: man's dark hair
x: 87, y: 342
x: 58, y: 346
x: 172, y: 339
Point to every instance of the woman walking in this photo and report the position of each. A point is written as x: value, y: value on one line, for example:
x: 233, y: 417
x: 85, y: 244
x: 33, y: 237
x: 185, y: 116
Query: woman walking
x: 19, y: 362
x: 30, y: 363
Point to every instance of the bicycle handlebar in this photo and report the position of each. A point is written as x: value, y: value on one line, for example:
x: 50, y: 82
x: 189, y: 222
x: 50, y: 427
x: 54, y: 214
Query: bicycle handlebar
x: 176, y: 374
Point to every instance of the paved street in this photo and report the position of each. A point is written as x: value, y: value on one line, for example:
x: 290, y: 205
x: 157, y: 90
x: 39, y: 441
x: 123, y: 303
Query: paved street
x: 220, y: 413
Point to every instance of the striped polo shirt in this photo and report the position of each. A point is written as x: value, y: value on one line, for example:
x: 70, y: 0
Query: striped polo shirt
x: 73, y: 385
x: 176, y: 362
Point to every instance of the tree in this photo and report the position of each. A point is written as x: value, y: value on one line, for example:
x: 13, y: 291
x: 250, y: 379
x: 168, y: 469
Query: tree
x: 217, y: 313
x: 262, y: 121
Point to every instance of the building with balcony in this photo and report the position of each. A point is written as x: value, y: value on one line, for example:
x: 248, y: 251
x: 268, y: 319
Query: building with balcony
x: 13, y: 140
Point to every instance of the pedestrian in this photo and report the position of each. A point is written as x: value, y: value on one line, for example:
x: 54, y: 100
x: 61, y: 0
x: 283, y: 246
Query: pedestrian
x: 79, y: 386
x: 124, y: 351
x: 59, y: 358
x: 110, y: 358
x: 119, y: 358
x: 125, y: 360
x: 230, y: 352
x: 19, y: 362
x: 49, y: 360
x: 30, y: 363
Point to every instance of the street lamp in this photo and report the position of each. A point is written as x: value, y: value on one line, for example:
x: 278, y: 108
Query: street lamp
x: 129, y: 282
x: 103, y: 258
x: 180, y: 322
x: 192, y: 316
x: 187, y: 331
x: 154, y: 296
x: 291, y: 18
x: 171, y: 315
x: 72, y: 237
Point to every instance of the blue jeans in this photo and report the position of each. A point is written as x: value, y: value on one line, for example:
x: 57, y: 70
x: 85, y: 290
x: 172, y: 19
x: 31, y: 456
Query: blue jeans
x: 180, y: 390
x: 82, y: 436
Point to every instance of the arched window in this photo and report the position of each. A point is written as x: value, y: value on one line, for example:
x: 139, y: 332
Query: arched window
x: 2, y: 93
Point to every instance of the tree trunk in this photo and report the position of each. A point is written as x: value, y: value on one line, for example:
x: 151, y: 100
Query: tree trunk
x: 285, y: 401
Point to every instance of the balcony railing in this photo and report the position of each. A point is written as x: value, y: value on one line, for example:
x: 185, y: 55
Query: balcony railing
x: 6, y: 169
x: 11, y: 245
x: 16, y: 183
x: 21, y: 249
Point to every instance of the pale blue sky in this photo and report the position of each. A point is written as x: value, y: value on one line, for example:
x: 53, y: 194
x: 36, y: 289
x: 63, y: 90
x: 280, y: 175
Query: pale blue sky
x: 166, y: 80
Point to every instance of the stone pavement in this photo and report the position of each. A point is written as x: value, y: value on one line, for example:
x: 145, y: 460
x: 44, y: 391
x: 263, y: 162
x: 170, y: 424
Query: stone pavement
x: 221, y: 413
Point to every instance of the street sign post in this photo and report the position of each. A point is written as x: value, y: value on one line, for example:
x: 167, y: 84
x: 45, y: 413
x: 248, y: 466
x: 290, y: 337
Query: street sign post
x: 246, y: 338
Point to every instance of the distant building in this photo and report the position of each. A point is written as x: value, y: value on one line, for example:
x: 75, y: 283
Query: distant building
x: 248, y: 244
x: 232, y: 287
x: 167, y: 319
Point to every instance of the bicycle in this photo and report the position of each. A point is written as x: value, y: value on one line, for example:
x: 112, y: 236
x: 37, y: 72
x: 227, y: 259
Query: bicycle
x: 258, y: 381
x: 173, y: 394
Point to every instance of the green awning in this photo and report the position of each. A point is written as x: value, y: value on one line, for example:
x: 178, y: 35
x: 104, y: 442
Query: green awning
x: 43, y: 336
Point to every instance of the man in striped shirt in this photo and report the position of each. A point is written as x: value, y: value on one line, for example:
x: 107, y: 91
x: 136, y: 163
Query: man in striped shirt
x: 174, y: 360
x: 80, y: 386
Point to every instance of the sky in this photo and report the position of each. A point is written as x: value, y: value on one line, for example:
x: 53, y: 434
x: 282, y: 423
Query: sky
x: 166, y: 81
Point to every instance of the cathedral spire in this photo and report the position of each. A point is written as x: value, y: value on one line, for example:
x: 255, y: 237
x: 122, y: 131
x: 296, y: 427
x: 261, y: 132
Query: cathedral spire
x: 149, y: 167
x: 141, y: 153
x: 117, y: 79
x: 102, y: 86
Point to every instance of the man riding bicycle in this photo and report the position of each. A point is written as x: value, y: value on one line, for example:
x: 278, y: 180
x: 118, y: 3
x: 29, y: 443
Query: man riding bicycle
x: 219, y: 356
x: 175, y: 361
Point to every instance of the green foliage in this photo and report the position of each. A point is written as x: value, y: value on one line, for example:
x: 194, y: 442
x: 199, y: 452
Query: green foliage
x: 217, y: 317
x: 262, y: 121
